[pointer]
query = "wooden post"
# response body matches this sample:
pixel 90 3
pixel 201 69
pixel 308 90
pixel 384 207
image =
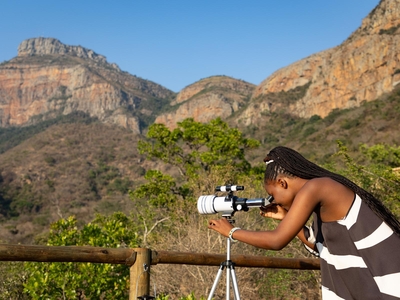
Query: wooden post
pixel 139 284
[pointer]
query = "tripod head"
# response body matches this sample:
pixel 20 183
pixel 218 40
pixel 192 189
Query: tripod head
pixel 229 218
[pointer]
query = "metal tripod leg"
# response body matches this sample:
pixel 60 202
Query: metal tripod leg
pixel 230 276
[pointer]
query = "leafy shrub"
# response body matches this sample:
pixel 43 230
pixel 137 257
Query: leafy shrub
pixel 89 280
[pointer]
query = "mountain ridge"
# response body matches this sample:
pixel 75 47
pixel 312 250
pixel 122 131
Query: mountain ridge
pixel 362 68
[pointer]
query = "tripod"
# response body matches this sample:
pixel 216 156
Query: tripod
pixel 230 272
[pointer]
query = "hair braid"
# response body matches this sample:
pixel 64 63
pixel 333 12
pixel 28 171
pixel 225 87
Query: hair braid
pixel 291 163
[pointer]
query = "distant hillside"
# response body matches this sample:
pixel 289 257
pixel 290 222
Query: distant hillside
pixel 73 167
pixel 370 123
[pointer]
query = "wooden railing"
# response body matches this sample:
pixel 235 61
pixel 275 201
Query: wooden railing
pixel 139 259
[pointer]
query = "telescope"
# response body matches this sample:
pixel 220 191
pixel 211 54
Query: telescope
pixel 228 204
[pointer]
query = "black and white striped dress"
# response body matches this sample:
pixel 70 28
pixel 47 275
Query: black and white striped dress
pixel 360 255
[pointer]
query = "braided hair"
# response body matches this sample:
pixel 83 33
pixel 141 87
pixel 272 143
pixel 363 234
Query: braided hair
pixel 286 161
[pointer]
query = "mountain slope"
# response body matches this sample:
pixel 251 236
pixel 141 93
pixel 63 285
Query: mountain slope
pixel 74 168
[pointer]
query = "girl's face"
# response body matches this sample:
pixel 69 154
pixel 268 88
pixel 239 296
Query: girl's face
pixel 280 190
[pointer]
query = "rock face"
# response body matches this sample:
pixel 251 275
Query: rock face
pixel 362 68
pixel 45 46
pixel 216 96
pixel 48 78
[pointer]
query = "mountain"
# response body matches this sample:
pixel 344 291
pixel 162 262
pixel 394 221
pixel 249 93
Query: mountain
pixel 204 100
pixel 362 68
pixel 48 78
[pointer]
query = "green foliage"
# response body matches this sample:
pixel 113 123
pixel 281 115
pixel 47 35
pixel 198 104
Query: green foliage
pixel 195 146
pixel 195 149
pixel 375 172
pixel 382 154
pixel 84 280
pixel 161 190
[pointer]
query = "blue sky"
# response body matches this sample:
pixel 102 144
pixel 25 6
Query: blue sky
pixel 176 43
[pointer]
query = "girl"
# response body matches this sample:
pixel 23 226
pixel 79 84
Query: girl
pixel 353 233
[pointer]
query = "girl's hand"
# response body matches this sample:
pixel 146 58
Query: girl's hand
pixel 222 226
pixel 273 211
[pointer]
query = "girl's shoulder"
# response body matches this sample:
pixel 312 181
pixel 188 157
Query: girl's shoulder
pixel 333 198
pixel 325 182
pixel 325 190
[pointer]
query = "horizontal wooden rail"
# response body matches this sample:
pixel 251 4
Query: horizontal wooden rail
pixel 139 258
pixel 188 258
pixel 36 253
pixel 127 256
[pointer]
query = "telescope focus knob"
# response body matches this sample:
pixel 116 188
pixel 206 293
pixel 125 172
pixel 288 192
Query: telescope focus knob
pixel 239 207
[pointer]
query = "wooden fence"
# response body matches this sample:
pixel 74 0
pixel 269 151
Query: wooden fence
pixel 140 259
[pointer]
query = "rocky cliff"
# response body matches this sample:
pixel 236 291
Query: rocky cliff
pixel 48 78
pixel 362 68
pixel 46 46
pixel 216 96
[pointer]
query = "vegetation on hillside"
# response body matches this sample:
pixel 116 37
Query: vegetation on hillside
pixel 371 123
pixel 75 165
pixel 10 137
pixel 68 169
pixel 200 157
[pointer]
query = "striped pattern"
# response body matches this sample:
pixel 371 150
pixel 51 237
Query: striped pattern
pixel 360 256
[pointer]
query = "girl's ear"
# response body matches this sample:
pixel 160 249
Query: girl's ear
pixel 282 183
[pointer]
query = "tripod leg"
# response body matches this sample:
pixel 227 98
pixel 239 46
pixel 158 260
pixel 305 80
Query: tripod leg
pixel 234 284
pixel 228 281
pixel 215 282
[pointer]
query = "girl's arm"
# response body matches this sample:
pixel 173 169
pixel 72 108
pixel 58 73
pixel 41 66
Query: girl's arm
pixel 290 226
pixel 277 212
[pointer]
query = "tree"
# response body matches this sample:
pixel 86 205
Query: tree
pixel 193 146
pixel 84 280
pixel 197 150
